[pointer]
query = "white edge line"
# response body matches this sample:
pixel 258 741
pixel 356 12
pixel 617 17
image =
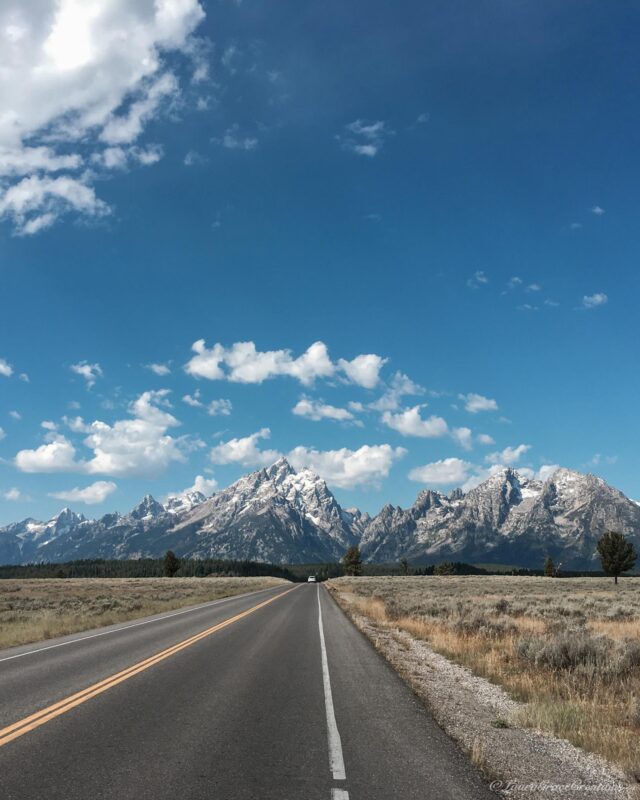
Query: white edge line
pixel 134 625
pixel 336 760
pixel 339 794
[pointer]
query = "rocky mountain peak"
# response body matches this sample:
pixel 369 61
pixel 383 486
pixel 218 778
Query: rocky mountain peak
pixel 148 508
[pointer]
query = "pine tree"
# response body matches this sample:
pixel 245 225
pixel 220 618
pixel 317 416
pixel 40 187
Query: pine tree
pixel 444 568
pixel 404 566
pixel 352 561
pixel 549 567
pixel 171 564
pixel 616 554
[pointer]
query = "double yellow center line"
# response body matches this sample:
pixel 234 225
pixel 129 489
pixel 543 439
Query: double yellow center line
pixel 45 715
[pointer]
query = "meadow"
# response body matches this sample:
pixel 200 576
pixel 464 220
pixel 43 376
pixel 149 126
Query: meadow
pixel 568 648
pixel 34 610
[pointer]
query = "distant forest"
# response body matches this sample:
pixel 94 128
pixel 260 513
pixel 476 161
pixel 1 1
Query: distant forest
pixel 201 568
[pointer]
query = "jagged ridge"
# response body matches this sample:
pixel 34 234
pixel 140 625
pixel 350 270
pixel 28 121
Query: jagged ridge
pixel 279 515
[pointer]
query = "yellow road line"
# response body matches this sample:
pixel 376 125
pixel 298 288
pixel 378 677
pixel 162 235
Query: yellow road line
pixel 43 716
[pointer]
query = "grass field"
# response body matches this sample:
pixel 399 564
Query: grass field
pixel 569 648
pixel 33 610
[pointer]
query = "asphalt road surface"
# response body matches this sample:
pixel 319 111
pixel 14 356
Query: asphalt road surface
pixel 272 695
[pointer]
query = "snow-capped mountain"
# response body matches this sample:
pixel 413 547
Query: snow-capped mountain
pixel 279 515
pixel 508 519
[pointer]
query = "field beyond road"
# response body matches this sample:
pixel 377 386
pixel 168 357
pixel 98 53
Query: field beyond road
pixel 34 610
pixel 568 648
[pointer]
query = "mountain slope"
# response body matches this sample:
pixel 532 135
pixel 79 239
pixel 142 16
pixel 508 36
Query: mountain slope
pixel 279 515
pixel 508 519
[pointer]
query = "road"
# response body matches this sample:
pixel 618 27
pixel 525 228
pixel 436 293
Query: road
pixel 272 695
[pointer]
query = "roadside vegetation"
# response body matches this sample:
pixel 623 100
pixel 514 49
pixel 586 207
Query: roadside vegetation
pixel 569 648
pixel 33 610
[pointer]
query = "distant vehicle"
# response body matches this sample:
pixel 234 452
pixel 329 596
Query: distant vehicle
pixel 311 579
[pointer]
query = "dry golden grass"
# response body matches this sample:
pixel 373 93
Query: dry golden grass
pixel 33 610
pixel 569 648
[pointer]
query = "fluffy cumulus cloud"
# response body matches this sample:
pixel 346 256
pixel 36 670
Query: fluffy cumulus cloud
pixel 90 372
pixel 58 455
pixel 464 437
pixel 363 370
pixel 446 472
pixel 80 80
pixel 159 369
pixel 411 423
pixel 242 362
pixel 139 446
pixel 6 370
pixel 590 301
pixel 509 456
pixel 317 410
pixel 245 451
pixel 398 387
pixel 345 468
pixel 473 403
pixel 90 495
pixel 201 484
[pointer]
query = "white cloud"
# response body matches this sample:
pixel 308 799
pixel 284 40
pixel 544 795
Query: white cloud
pixel 219 408
pixel 594 300
pixel 206 363
pixel 77 74
pixel 546 471
pixel 316 410
pixel 6 370
pixel 598 211
pixel 348 468
pixel 91 495
pixel 140 446
pixel 399 386
pixel 245 451
pixel 48 425
pixel 159 369
pixel 15 415
pixel 363 370
pixel 508 456
pixel 484 438
pixel 193 158
pixel 90 372
pixel 58 455
pixel 14 495
pixel 242 362
pixel 206 486
pixel 464 437
pixel 514 282
pixel 365 138
pixel 478 279
pixel 447 471
pixel 2 434
pixel 234 140
pixel 477 402
pixel 410 423
pixel 193 400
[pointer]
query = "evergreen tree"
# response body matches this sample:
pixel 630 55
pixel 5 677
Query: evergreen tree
pixel 616 554
pixel 171 564
pixel 404 566
pixel 444 568
pixel 549 567
pixel 352 561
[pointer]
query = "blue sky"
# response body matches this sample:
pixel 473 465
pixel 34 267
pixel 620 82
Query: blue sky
pixel 449 188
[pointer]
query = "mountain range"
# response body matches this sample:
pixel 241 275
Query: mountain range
pixel 279 515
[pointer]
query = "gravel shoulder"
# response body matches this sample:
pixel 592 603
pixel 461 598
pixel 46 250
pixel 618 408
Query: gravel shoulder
pixel 481 717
